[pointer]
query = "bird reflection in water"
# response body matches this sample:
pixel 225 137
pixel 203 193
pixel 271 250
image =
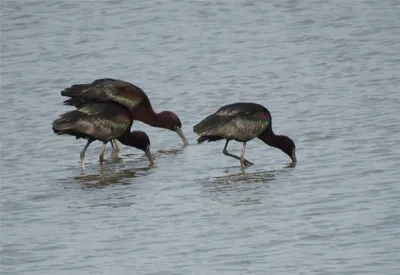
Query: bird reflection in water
pixel 243 188
pixel 170 151
pixel 108 177
pixel 113 171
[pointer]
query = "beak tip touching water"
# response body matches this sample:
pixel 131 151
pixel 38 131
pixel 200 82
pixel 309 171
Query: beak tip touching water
pixel 293 157
pixel 181 135
pixel 150 157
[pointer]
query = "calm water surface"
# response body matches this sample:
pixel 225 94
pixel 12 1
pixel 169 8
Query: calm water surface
pixel 328 71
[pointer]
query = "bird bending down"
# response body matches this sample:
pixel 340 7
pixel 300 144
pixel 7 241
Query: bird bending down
pixel 243 122
pixel 128 95
pixel 104 122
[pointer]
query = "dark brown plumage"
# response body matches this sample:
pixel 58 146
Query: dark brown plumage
pixel 126 94
pixel 243 122
pixel 104 122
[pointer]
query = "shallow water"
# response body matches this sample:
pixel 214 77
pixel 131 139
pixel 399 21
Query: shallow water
pixel 329 72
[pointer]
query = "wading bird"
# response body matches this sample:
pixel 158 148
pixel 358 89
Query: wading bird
pixel 243 122
pixel 103 122
pixel 128 95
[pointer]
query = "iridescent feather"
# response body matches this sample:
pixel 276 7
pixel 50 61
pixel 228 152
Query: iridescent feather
pixel 231 122
pixel 243 122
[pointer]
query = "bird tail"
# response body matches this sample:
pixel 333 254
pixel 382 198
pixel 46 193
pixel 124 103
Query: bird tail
pixel 75 89
pixel 84 93
pixel 206 124
pixel 209 128
pixel 66 121
pixel 201 139
pixel 77 102
pixel 208 138
pixel 211 125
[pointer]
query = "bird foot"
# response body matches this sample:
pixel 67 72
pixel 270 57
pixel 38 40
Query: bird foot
pixel 114 145
pixel 246 163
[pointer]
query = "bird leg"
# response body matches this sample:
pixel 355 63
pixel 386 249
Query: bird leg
pixel 102 151
pixel 114 145
pixel 244 162
pixel 83 154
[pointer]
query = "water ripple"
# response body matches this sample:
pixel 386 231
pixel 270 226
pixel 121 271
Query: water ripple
pixel 329 74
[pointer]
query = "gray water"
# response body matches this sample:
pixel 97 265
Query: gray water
pixel 328 71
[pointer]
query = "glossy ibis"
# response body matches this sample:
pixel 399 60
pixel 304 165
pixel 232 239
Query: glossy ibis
pixel 243 122
pixel 128 95
pixel 104 122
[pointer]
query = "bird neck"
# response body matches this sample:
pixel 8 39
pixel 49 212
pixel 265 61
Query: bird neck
pixel 129 139
pixel 156 119
pixel 126 138
pixel 273 140
pixel 150 117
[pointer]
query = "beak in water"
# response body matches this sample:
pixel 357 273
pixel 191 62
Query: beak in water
pixel 293 157
pixel 148 154
pixel 181 135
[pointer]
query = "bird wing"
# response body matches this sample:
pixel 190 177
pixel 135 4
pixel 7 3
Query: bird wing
pixel 234 123
pixel 241 107
pixel 250 125
pixel 109 110
pixel 102 121
pixel 104 90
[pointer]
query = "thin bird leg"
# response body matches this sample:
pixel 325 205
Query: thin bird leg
pixel 115 148
pixel 83 154
pixel 114 145
pixel 102 151
pixel 226 153
pixel 244 162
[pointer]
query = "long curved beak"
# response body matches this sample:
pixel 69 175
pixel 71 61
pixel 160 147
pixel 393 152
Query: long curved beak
pixel 293 157
pixel 181 135
pixel 149 156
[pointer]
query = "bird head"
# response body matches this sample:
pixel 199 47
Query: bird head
pixel 173 123
pixel 288 147
pixel 141 141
